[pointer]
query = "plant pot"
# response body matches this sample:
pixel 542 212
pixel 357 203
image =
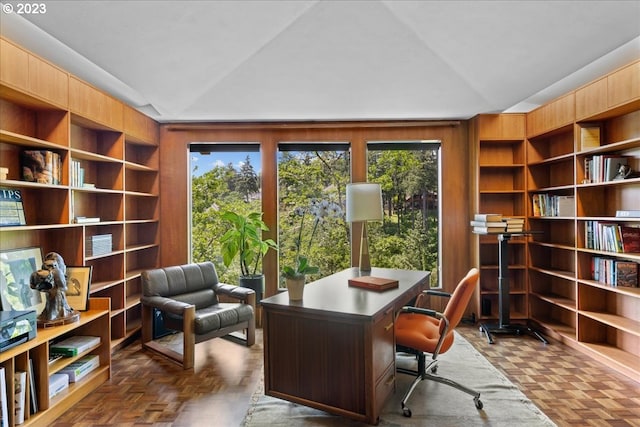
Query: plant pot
pixel 255 282
pixel 295 288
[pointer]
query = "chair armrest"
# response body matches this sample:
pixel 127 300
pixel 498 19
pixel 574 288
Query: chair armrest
pixel 166 304
pixel 438 293
pixel 425 311
pixel 237 292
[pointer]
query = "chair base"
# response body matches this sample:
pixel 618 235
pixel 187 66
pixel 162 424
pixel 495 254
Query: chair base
pixel 422 373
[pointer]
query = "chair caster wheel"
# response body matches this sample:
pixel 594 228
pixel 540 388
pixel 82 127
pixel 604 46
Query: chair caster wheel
pixel 478 403
pixel 406 412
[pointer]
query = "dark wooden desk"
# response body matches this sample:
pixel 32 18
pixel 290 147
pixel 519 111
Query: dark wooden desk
pixel 335 349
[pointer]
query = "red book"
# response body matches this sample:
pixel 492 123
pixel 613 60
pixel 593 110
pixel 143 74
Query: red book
pixel 630 239
pixel 373 283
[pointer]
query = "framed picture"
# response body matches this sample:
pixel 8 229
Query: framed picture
pixel 78 283
pixel 16 267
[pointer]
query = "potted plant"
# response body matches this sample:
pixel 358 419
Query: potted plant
pixel 295 275
pixel 244 240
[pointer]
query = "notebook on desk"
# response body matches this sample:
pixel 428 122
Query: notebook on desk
pixel 373 283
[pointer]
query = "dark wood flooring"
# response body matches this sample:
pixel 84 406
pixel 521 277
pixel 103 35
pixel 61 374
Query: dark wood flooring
pixel 146 389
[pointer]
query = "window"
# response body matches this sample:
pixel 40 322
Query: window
pixel 409 237
pixel 312 178
pixel 223 177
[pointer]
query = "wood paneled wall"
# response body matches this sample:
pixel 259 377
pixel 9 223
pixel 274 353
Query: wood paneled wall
pixel 175 138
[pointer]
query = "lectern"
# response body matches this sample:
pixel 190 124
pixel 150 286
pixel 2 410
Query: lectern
pixel 504 325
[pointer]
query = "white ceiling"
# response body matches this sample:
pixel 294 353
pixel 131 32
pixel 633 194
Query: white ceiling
pixel 331 60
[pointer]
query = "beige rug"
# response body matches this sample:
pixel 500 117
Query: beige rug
pixel 432 404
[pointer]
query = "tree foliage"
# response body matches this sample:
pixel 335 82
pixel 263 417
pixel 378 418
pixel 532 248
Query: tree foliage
pixel 407 238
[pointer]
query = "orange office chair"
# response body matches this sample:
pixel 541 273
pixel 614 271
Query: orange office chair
pixel 420 331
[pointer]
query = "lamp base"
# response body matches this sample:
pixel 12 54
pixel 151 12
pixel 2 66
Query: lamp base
pixel 365 261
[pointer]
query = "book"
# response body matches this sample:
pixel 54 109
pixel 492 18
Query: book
pixel 57 384
pixel 485 230
pixel 589 137
pixel 488 224
pixel 626 274
pixel 4 405
pixel 74 345
pixel 32 388
pixel 85 219
pixel 488 217
pixel 629 239
pixel 11 208
pixel 81 367
pixel 373 283
pixel 513 220
pixel 628 213
pixel 20 395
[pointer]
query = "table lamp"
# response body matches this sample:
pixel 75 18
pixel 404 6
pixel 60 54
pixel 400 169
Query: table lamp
pixel 364 203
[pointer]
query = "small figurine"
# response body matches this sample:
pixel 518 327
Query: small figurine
pixel 625 172
pixel 52 281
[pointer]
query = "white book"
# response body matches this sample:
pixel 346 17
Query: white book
pixel 75 345
pixel 4 410
pixel 20 396
pixel 81 367
pixel 57 383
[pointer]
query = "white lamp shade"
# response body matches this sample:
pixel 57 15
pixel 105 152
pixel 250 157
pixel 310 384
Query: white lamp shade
pixel 364 202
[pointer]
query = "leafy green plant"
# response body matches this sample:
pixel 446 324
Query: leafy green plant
pixel 244 240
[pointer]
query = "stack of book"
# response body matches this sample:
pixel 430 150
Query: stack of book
pixel 100 244
pixel 612 237
pixel 488 223
pixel 613 272
pixel 496 223
pixel 514 225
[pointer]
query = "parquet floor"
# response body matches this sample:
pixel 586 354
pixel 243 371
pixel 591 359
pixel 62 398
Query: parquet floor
pixel 146 389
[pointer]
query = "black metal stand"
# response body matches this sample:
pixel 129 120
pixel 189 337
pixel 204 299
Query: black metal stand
pixel 505 327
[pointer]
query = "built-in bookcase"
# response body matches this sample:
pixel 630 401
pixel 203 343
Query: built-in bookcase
pixel 117 148
pixel 499 144
pixel 565 299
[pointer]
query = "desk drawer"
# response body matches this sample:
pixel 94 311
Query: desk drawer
pixel 383 344
pixel 385 386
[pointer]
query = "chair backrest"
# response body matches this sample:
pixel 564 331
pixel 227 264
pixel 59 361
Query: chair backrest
pixel 192 283
pixel 460 298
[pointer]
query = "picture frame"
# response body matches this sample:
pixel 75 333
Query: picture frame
pixel 78 284
pixel 16 267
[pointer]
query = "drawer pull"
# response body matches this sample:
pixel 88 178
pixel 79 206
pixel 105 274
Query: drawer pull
pixel 390 380
pixel 389 326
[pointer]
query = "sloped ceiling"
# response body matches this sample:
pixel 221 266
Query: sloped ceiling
pixel 332 60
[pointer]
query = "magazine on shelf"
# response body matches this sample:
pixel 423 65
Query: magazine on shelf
pixel 74 345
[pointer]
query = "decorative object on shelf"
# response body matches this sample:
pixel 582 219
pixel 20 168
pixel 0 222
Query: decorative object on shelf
pixel 364 203
pixel 244 240
pixel 4 172
pixel 11 208
pixel 625 172
pixel 16 266
pixel 295 274
pixel 41 166
pixel 78 284
pixel 52 281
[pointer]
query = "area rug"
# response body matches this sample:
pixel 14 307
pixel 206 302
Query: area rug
pixel 432 404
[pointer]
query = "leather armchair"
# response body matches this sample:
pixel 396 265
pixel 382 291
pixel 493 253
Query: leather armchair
pixel 187 295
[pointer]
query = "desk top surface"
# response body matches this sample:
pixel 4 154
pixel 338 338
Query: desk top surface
pixel 333 293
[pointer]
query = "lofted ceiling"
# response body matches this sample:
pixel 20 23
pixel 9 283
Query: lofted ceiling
pixel 331 60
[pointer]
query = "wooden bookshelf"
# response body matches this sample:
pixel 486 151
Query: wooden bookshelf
pixel 93 322
pixel 46 108
pixel 565 300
